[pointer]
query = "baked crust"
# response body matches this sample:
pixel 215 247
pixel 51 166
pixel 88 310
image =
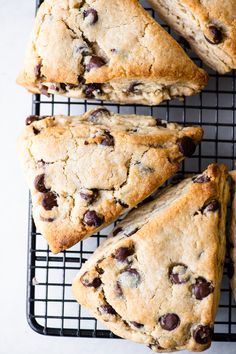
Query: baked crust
pixel 134 48
pixel 184 227
pixel 193 20
pixel 114 161
pixel 232 269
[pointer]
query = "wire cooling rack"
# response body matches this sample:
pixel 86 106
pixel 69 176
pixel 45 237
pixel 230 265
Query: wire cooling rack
pixel 51 309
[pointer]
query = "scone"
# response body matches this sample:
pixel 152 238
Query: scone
pixel 232 268
pixel 83 172
pixel 209 27
pixel 106 50
pixel 156 280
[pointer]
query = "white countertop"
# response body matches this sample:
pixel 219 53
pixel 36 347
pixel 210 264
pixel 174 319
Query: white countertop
pixel 16 19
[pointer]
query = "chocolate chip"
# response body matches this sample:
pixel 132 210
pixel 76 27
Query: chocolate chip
pixel 133 88
pixel 31 119
pixel 92 14
pixel 132 232
pixel 201 179
pixel 94 283
pixel 215 35
pixel 159 123
pixel 94 63
pixel 63 86
pixel 90 196
pixel 91 89
pixel 36 131
pixel 108 139
pixel 91 218
pixel 202 334
pixel 202 288
pixel 37 70
pixel 177 273
pixel 122 253
pixel 155 346
pixel 39 184
pixel 46 219
pixel 107 309
pixel 169 321
pixel 212 206
pixel 97 113
pixel 129 278
pixel 186 146
pixel 230 269
pixel 44 91
pixel 118 290
pixel 136 324
pixel 122 203
pixel 117 231
pixel 49 200
pixel 99 269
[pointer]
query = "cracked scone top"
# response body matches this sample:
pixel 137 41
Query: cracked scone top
pixel 107 51
pixel 85 171
pixel 156 280
pixel 208 25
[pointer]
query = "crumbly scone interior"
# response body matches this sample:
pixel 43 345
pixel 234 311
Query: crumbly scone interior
pixel 187 23
pixel 128 305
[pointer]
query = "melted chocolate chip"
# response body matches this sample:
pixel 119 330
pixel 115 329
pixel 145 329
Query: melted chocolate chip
pixel 31 119
pixel 122 253
pixel 169 321
pixel 49 200
pixel 186 146
pixel 214 205
pixel 202 334
pixel 177 274
pixel 97 113
pixel 36 131
pixel 89 196
pixel 91 89
pixel 107 309
pixel 92 14
pixel 136 324
pixel 155 346
pixel 132 232
pixel 117 231
pixel 63 86
pixel 135 88
pixel 215 35
pixel 46 219
pixel 202 288
pixel 37 70
pixel 39 184
pixel 94 283
pixel 44 91
pixel 118 290
pixel 122 203
pixel 91 218
pixel 129 278
pixel 95 62
pixel 159 123
pixel 108 139
pixel 201 179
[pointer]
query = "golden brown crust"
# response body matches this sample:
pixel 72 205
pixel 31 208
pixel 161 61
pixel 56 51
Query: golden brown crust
pixel 114 161
pixel 183 226
pixel 63 42
pixel 233 236
pixel 193 18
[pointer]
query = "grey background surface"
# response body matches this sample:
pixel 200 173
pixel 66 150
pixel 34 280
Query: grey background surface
pixel 16 19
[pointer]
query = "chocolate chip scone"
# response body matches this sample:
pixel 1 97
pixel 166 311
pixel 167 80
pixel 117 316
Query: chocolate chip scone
pixel 209 27
pixel 232 265
pixel 156 280
pixel 107 51
pixel 83 172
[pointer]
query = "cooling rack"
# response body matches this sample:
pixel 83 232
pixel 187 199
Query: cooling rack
pixel 51 308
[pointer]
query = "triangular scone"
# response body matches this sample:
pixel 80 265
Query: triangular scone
pixel 85 171
pixel 157 280
pixel 106 50
pixel 232 265
pixel 209 27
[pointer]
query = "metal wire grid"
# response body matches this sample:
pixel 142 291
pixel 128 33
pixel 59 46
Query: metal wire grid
pixel 51 309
